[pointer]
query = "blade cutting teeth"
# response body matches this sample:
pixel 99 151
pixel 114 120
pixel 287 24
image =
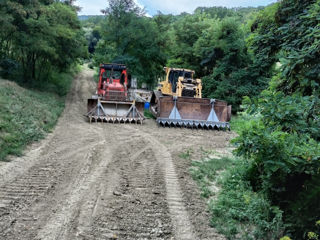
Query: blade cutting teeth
pixel 114 112
pixel 193 124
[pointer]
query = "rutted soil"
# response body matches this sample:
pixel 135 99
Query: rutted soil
pixel 105 181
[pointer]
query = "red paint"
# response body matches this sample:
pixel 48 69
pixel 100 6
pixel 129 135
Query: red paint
pixel 112 89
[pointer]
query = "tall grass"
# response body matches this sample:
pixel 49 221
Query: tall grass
pixel 27 114
pixel 237 211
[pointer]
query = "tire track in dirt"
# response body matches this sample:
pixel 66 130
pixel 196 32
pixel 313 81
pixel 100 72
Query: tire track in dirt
pixel 101 181
pixel 182 226
pixel 23 192
pixel 58 225
pixel 86 191
pixel 136 208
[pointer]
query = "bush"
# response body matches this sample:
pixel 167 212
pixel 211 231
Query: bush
pixel 284 156
pixel 241 213
pixel 9 68
pixel 237 211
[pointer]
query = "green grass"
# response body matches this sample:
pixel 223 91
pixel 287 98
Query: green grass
pixel 25 116
pixel 237 211
pixel 186 155
pixel 148 114
pixel 239 122
pixel 205 173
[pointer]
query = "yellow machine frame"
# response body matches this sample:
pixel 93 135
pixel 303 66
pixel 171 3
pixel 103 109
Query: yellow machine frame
pixel 166 87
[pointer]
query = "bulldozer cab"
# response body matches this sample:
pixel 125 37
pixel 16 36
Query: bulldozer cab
pixel 112 78
pixel 179 82
pixel 174 75
pixel 110 74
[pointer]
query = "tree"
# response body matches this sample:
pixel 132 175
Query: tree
pixel 230 72
pixel 282 144
pixel 41 36
pixel 187 30
pixel 130 38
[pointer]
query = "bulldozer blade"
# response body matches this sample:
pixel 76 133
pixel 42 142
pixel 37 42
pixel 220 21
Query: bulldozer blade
pixel 114 112
pixel 193 113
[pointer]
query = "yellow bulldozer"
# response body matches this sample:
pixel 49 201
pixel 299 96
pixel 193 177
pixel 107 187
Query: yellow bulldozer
pixel 178 102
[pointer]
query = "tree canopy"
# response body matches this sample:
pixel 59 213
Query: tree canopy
pixel 128 37
pixel 211 41
pixel 39 37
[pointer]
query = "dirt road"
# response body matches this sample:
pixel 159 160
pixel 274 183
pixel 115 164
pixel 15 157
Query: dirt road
pixel 105 181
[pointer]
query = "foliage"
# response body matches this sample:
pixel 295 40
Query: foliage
pixel 186 31
pixel 282 144
pixel 288 32
pixel 237 211
pixel 130 38
pixel 39 38
pixel 241 121
pixel 314 235
pixel 240 211
pixel 280 159
pixel 91 26
pixel 233 73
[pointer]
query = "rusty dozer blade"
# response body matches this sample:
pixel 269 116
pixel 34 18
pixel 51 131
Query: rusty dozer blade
pixel 193 113
pixel 114 112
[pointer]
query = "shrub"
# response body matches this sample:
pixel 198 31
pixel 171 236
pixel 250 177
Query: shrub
pixel 237 211
pixel 241 213
pixel 284 155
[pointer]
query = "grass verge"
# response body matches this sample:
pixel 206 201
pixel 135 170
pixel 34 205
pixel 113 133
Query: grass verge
pixel 26 115
pixel 237 211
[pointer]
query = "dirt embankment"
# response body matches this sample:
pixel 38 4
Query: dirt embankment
pixel 105 181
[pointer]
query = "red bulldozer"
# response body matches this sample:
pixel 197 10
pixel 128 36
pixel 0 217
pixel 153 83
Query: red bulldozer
pixel 113 101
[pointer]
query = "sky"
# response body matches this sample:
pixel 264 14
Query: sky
pixel 93 7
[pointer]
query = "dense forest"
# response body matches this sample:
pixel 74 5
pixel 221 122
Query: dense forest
pixel 265 62
pixel 39 41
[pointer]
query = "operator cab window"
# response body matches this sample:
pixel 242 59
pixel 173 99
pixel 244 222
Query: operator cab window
pixel 188 75
pixel 116 75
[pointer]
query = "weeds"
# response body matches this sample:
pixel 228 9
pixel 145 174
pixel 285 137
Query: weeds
pixel 25 116
pixel 237 211
pixel 208 169
pixel 186 155
pixel 239 122
pixel 148 114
